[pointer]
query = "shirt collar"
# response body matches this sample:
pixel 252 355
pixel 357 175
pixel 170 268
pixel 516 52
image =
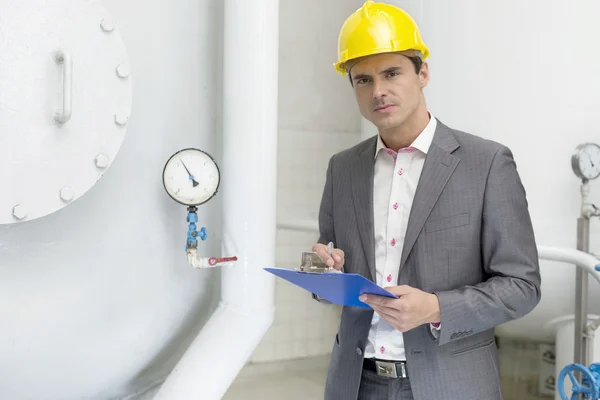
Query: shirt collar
pixel 421 143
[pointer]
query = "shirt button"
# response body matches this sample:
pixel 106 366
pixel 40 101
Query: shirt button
pixel 400 171
pixel 389 278
pixel 359 351
pixel 395 206
pixel 393 242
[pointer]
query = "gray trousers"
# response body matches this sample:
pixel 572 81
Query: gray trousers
pixel 375 387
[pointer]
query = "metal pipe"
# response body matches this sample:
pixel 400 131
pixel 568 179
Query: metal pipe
pixel 249 172
pixel 583 260
pixel 582 344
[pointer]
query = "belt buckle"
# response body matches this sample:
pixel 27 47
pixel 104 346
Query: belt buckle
pixel 386 369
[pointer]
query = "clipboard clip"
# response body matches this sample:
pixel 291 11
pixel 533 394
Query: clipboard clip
pixel 313 264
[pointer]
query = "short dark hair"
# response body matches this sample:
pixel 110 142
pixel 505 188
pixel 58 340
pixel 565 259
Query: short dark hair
pixel 416 61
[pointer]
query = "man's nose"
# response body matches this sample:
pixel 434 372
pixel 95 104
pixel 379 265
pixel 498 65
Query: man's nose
pixel 378 90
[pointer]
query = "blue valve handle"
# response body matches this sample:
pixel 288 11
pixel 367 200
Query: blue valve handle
pixel 588 388
pixel 192 234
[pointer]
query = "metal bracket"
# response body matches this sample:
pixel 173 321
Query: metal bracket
pixel 312 263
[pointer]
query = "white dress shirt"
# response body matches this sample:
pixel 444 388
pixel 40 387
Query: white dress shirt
pixel 395 181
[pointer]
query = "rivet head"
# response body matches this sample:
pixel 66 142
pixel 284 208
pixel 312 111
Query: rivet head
pixel 121 118
pixel 101 160
pixel 107 25
pixel 67 193
pixel 19 211
pixel 123 70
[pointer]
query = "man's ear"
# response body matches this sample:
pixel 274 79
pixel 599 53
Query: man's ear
pixel 424 74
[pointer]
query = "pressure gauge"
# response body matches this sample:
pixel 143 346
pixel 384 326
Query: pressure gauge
pixel 586 161
pixel 191 177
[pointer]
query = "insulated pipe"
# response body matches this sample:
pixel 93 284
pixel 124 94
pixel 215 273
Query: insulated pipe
pixel 248 171
pixel 571 256
pixel 586 261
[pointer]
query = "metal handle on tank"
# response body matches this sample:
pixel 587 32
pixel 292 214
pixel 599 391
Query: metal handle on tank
pixel 64 57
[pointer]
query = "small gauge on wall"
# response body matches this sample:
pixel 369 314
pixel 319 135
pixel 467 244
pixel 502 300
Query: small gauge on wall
pixel 191 177
pixel 586 161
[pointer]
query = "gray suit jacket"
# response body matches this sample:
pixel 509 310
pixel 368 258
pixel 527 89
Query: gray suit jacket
pixel 469 240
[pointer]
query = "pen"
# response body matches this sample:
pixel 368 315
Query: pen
pixel 330 250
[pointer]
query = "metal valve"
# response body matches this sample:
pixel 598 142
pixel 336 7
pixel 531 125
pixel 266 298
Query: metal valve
pixel 192 218
pixel 588 388
pixel 191 246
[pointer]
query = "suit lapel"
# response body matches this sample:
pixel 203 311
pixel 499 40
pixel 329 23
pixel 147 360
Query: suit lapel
pixel 362 195
pixel 439 166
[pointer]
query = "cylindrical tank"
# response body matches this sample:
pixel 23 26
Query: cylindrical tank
pixel 97 299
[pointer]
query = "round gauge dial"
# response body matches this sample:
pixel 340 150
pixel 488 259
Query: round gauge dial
pixel 191 177
pixel 586 161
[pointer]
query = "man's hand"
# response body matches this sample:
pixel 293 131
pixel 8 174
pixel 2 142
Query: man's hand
pixel 337 262
pixel 413 307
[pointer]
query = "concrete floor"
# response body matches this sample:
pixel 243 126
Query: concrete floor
pixel 305 380
pixel 293 380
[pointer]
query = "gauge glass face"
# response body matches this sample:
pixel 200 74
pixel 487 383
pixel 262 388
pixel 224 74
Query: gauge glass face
pixel 191 177
pixel 589 161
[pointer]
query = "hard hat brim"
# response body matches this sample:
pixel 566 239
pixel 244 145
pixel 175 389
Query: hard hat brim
pixel 341 67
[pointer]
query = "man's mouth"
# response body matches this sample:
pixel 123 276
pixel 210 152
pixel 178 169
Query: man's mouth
pixel 384 107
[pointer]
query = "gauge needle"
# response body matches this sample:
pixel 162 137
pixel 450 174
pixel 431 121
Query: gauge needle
pixel 194 183
pixel 590 158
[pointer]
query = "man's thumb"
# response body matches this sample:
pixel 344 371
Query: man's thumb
pixel 400 290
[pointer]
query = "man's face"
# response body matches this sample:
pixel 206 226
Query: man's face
pixel 388 89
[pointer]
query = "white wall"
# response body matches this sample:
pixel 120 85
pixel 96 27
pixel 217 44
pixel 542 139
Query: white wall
pixel 524 74
pixel 98 299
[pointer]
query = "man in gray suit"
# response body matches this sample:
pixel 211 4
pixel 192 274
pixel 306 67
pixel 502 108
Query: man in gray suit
pixel 437 216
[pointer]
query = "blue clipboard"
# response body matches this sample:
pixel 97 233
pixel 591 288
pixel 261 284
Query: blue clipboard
pixel 339 288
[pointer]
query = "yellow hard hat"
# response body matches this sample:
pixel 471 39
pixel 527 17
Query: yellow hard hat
pixel 377 28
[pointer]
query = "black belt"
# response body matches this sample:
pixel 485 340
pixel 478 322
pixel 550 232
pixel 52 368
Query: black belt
pixel 385 368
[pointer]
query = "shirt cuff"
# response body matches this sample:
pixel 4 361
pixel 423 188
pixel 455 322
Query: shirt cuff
pixel 435 327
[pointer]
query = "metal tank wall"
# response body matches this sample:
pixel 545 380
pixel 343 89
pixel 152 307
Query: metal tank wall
pixel 97 299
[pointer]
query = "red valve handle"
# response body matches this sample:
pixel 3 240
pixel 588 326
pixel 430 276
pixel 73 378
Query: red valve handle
pixel 214 260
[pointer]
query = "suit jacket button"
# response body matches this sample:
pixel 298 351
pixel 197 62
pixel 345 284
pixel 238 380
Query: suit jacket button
pixel 359 351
